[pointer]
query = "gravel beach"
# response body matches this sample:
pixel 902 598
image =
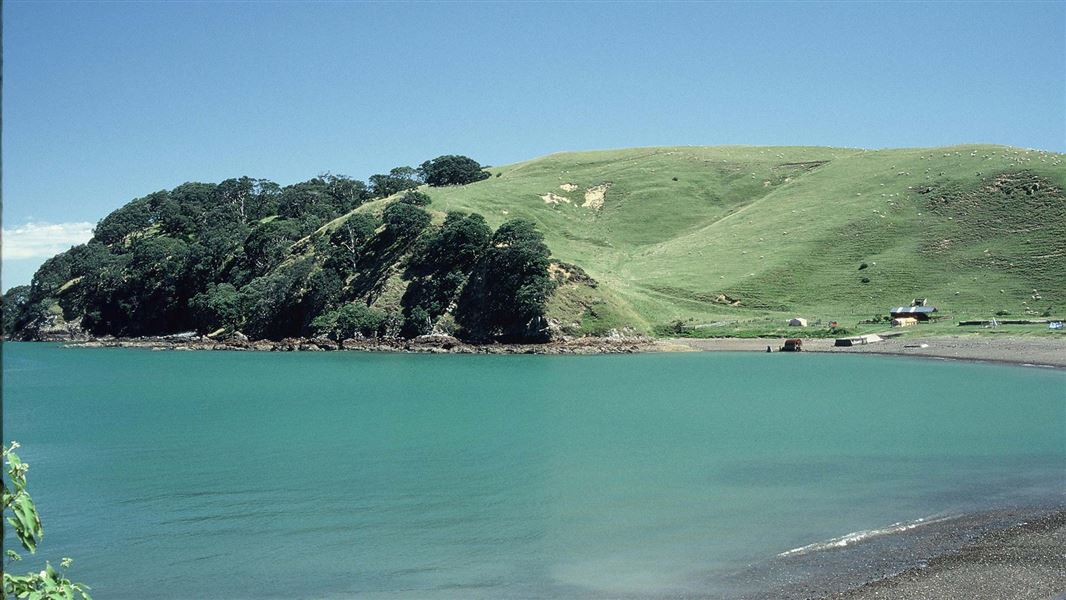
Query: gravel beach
pixel 1027 561
pixel 1001 554
pixel 1039 351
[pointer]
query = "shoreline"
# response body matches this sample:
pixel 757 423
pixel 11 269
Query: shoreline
pixel 427 344
pixel 999 554
pixel 1021 561
pixel 1042 352
pixel 1019 351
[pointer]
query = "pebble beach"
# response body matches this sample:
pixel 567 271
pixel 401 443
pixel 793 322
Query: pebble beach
pixel 1034 351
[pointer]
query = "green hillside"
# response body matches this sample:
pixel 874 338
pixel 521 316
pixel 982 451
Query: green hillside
pixel 735 233
pixel 702 240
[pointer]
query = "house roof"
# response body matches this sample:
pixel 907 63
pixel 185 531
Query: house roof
pixel 921 310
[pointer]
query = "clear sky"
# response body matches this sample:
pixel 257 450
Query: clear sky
pixel 104 102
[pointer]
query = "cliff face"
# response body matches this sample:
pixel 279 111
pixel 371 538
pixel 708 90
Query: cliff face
pixel 52 327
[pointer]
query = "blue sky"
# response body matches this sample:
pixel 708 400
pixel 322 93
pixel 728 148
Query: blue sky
pixel 104 102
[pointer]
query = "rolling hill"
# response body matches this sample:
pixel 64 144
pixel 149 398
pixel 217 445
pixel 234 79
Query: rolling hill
pixel 723 240
pixel 711 234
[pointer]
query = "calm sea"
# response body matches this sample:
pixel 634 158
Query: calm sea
pixel 342 475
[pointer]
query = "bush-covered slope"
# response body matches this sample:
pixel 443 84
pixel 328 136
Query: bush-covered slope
pixel 330 256
pixel 641 238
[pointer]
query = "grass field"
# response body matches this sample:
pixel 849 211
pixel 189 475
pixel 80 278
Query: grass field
pixel 737 239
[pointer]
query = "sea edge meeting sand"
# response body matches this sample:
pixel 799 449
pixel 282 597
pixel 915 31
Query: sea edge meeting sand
pixel 1024 560
pixel 1027 351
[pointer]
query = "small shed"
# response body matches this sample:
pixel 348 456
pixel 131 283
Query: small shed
pixel 904 321
pixel 921 313
pixel 792 345
pixel 797 322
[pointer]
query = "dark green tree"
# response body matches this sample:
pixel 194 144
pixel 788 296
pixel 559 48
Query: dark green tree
pixel 417 322
pixel 508 289
pixel 154 290
pixel 415 198
pixel 134 216
pixel 245 200
pixel 271 304
pixel 14 303
pixel 395 181
pixel 218 306
pixel 183 211
pixel 347 242
pixel 404 221
pixel 345 192
pixel 306 203
pixel 439 267
pixel 267 245
pixel 351 320
pixel 451 169
pixel 107 307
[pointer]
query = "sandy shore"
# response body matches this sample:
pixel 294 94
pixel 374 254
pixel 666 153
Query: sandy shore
pixel 1040 351
pixel 1022 562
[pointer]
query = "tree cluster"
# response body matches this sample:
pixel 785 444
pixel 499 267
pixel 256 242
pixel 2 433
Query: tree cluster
pixel 272 262
pixel 451 170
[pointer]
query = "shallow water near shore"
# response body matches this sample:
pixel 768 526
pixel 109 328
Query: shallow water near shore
pixel 291 475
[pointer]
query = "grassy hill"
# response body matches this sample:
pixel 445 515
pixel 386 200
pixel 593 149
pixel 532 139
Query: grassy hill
pixel 706 240
pixel 714 235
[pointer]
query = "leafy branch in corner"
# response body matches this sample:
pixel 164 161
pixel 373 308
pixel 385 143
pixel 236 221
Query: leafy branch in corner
pixel 21 514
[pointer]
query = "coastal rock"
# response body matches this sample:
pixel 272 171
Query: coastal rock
pixel 433 343
pixel 52 327
pixel 437 341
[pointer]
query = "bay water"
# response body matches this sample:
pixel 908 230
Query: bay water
pixel 349 475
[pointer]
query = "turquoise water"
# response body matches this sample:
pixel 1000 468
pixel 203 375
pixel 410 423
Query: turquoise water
pixel 338 475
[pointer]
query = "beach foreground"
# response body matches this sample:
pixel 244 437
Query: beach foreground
pixel 1000 554
pixel 1025 561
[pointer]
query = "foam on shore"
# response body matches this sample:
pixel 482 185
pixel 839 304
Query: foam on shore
pixel 859 536
pixel 841 566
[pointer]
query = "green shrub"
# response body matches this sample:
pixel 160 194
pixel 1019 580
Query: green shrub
pixel 416 198
pixel 351 320
pixel 451 169
pixel 21 514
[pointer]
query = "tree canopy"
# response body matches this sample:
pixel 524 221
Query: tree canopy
pixel 451 169
pixel 509 286
pixel 279 261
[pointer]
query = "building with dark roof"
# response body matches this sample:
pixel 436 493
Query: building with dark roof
pixel 922 313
